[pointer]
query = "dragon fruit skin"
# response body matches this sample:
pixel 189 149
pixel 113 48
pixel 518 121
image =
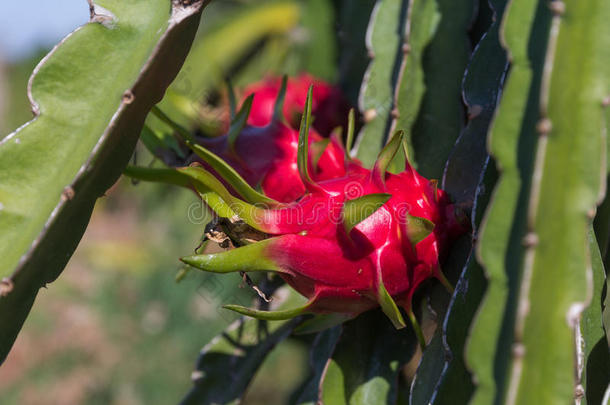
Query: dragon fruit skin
pixel 341 272
pixel 329 106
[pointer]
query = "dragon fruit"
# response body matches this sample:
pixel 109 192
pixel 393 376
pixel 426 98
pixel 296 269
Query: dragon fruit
pixel 357 239
pixel 329 106
pixel 265 156
pixel 351 243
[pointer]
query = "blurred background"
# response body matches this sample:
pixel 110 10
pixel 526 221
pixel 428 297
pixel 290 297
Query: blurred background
pixel 116 328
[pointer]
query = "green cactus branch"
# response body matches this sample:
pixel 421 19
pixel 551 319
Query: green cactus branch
pixel 594 371
pixel 553 212
pixel 562 203
pixel 386 37
pixel 423 19
pixel 449 380
pixel 506 101
pixel 228 363
pixel 90 96
pixel 439 123
pixel 366 362
pixel 503 226
pixel 321 351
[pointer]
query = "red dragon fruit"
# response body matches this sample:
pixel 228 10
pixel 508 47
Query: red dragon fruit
pixel 266 156
pixel 329 106
pixel 351 243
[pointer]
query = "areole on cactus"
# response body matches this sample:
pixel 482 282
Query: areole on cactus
pixel 362 239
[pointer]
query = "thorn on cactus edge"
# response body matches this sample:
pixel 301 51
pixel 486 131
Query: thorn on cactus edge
pixel 557 7
pixel 6 286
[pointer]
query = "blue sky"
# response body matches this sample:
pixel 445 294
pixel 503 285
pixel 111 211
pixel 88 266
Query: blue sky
pixel 27 25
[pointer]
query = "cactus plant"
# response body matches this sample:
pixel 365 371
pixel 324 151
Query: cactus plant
pixel 521 158
pixel 57 165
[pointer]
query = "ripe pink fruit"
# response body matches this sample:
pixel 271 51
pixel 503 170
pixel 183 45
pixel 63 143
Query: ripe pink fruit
pixel 350 243
pixel 357 238
pixel 341 269
pixel 329 106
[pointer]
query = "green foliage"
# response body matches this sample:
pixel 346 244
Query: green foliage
pixel 222 46
pixel 385 37
pixel 228 363
pixel 352 19
pixel 506 100
pixel 445 58
pixel 365 364
pixel 54 168
pixel 322 348
pixel 421 65
pixel 534 241
pixel 443 375
pixel 563 197
pixel 498 241
pixel 423 20
pixel 595 376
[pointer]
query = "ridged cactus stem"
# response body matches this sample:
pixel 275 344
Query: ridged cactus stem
pixel 561 206
pixel 385 41
pixel 543 128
